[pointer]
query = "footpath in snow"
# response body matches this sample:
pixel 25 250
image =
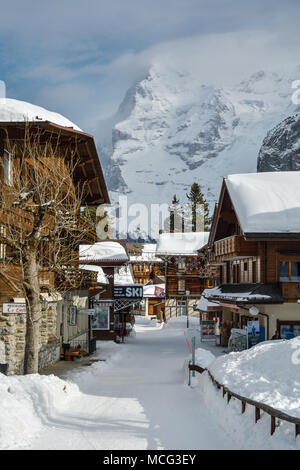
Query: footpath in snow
pixel 137 399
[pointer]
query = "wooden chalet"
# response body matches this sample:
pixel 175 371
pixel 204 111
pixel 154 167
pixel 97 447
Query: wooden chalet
pixel 56 328
pixel 111 313
pixel 185 271
pixel 255 243
pixel 146 266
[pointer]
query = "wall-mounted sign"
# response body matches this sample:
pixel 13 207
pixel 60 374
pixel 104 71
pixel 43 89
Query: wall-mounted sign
pixel 14 308
pixel 87 311
pixel 72 315
pixel 159 292
pixel 100 320
pixel 128 292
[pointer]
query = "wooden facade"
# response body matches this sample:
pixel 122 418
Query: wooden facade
pixel 268 262
pixel 67 144
pixel 145 265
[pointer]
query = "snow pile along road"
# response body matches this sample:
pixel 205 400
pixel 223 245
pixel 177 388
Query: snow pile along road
pixel 268 373
pixel 25 401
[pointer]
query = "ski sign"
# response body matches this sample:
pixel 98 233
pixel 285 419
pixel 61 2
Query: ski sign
pixel 128 292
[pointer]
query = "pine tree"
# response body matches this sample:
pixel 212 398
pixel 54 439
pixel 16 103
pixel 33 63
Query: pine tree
pixel 200 219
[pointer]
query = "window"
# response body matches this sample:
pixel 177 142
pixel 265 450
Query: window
pixel 181 308
pixel 181 266
pixel 8 168
pixel 289 330
pixel 295 271
pixel 289 271
pixel 181 284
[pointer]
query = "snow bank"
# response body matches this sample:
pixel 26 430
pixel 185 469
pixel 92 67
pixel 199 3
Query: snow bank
pixel 25 402
pixel 181 322
pixel 204 358
pixel 268 373
pixel 241 428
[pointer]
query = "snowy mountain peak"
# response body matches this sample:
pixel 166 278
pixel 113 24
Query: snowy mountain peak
pixel 172 130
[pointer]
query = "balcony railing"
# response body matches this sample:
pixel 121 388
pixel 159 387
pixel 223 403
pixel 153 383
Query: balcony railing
pixel 73 278
pixel 235 246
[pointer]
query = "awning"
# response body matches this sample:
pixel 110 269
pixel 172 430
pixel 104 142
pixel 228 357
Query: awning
pixel 245 293
pixel 206 306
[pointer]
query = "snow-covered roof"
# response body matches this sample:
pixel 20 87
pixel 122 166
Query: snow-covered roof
pixel 245 293
pixel 181 243
pixel 19 111
pixel 266 202
pixel 123 276
pixel 206 306
pixel 103 251
pixel 101 278
pixel 148 254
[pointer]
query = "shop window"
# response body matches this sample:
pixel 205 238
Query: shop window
pixel 289 331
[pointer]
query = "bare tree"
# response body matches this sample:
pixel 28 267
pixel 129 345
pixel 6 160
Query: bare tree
pixel 40 206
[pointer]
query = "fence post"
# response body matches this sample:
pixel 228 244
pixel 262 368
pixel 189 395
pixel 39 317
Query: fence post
pixel 257 414
pixel 193 353
pixel 297 430
pixel 243 407
pixel 273 424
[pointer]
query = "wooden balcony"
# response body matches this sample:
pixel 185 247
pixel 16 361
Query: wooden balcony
pixel 233 247
pixel 76 279
pixel 85 227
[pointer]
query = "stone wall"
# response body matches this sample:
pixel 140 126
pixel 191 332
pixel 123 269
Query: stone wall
pixel 54 312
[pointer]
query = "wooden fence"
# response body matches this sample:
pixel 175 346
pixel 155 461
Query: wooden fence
pixel 258 407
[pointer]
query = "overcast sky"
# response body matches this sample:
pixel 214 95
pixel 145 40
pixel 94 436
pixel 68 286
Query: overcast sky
pixel 79 57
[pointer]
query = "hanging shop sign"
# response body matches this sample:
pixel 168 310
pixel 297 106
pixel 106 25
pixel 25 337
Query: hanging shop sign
pixel 14 308
pixel 128 292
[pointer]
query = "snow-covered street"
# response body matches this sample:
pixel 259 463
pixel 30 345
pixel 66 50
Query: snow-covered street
pixel 137 400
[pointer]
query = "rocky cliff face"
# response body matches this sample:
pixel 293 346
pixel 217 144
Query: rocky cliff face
pixel 280 150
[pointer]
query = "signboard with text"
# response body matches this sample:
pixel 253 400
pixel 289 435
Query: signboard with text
pixel 128 292
pixel 14 309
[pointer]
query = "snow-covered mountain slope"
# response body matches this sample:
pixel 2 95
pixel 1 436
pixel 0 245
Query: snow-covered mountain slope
pixel 280 150
pixel 172 130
